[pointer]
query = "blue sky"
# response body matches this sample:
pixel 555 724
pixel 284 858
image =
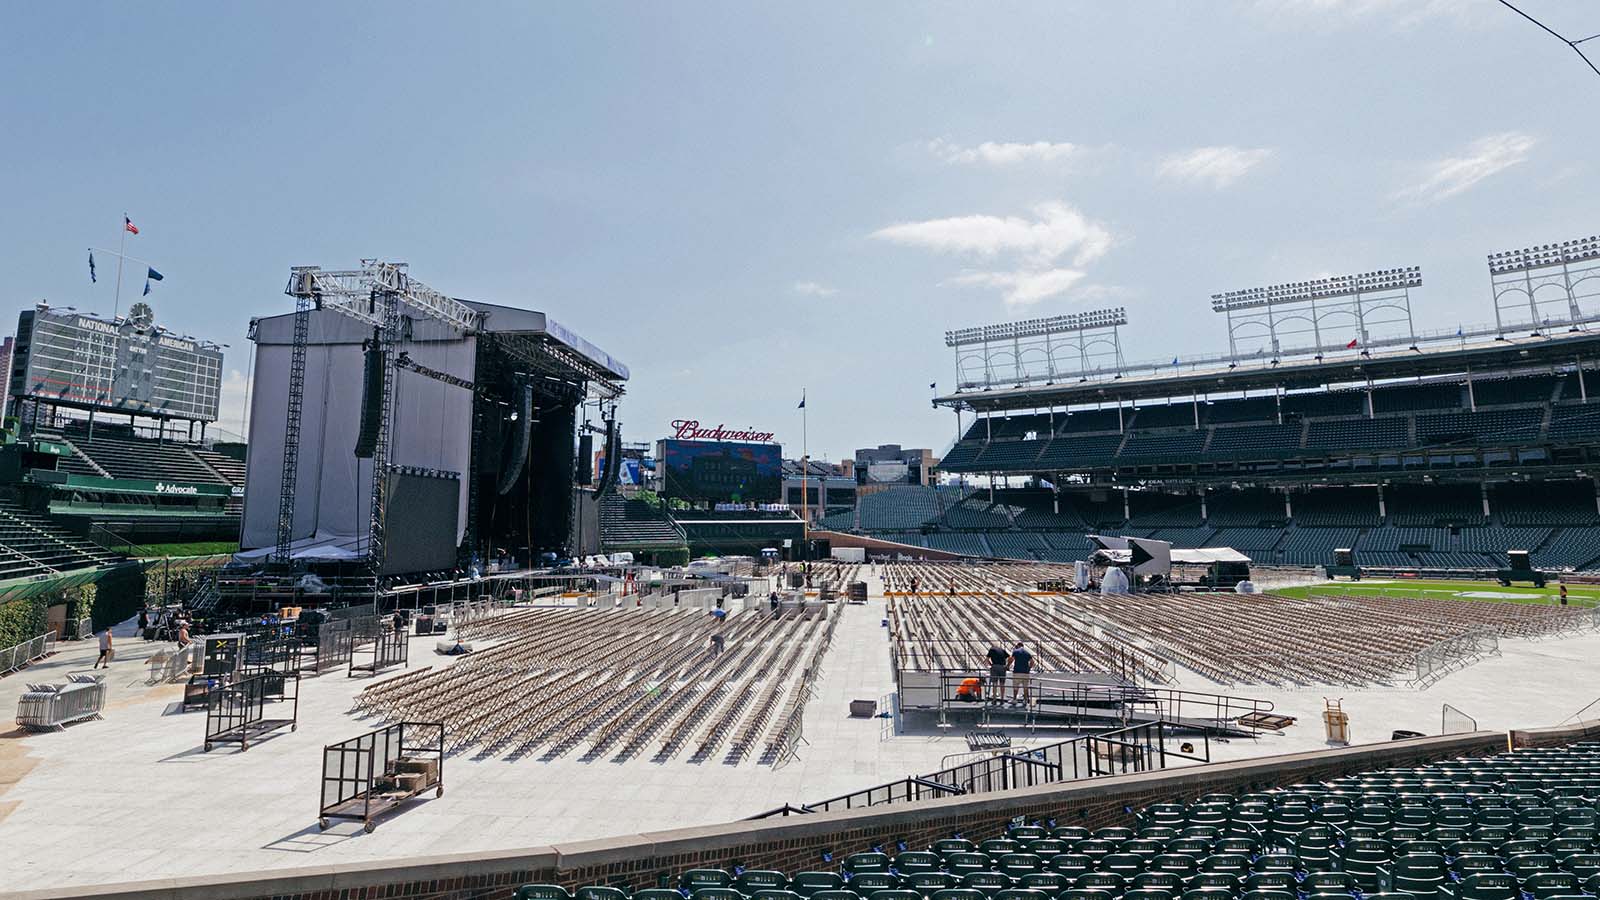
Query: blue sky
pixel 744 200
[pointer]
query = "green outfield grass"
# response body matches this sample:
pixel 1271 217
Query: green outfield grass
pixel 1578 594
pixel 197 548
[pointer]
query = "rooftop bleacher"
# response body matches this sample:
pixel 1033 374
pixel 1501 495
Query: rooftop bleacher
pixel 125 456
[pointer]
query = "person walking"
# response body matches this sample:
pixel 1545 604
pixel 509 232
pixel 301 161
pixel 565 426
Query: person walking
pixel 106 653
pixel 183 634
pixel 1021 674
pixel 1563 593
pixel 777 605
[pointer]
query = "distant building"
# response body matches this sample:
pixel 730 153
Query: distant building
pixel 893 464
pixel 828 487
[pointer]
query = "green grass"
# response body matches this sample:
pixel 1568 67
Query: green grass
pixel 1578 594
pixel 196 548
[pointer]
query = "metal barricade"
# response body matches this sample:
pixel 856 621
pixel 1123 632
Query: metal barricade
pixel 13 658
pixel 46 707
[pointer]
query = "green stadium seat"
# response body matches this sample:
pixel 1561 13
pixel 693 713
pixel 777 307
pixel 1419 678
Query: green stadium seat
pixel 988 882
pixel 1484 886
pixel 927 882
pixel 1019 864
pixel 695 879
pixel 1161 881
pixel 1047 847
pixel 962 863
pixel 774 894
pixel 715 893
pixel 656 894
pixel 807 884
pixel 1107 882
pixel 600 892
pixel 868 883
pixel 997 846
pixel 958 894
pixel 1268 894
pixel 1147 893
pixel 866 862
pixel 835 894
pixel 751 880
pixel 1051 883
pixel 947 846
pixel 544 892
pixel 1545 885
pixel 1071 864
pixel 895 894
pixel 1018 893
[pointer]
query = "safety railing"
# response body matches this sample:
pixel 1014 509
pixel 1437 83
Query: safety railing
pixel 53 706
pixel 1139 748
pixel 15 657
pixel 1454 721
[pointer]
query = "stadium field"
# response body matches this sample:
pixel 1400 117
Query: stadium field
pixel 1578 594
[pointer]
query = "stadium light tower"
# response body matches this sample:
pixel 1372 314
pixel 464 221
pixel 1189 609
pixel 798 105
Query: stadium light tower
pixel 1548 282
pixel 1031 350
pixel 1318 309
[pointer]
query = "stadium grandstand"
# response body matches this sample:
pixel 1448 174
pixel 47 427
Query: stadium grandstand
pixel 1418 451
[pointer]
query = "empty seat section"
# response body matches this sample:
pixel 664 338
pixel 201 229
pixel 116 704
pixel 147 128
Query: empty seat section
pixel 1250 409
pixel 1242 440
pixel 1182 446
pixel 1412 397
pixel 1468 428
pixel 1359 434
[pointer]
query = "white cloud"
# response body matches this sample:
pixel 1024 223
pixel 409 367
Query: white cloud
pixel 1039 257
pixel 1485 157
pixel 1024 288
pixel 1002 153
pixel 1214 166
pixel 813 289
pixel 1056 230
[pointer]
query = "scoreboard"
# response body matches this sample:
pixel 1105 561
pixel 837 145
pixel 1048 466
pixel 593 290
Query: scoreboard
pixel 128 365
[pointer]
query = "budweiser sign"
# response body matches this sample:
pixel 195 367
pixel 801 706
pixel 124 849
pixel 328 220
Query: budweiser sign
pixel 690 430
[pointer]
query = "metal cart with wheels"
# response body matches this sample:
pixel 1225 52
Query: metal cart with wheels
pixel 372 775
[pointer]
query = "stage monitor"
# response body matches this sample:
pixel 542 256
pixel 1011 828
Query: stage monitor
pixel 721 471
pixel 128 364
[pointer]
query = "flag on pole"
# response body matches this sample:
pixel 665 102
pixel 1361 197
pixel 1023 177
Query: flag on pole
pixel 150 275
pixel 933 385
pixel 1458 331
pixel 91 267
pixel 802 402
pixel 1174 360
pixel 1351 345
pixel 128 226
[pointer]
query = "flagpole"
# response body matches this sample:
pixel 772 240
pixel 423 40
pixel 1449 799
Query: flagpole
pixel 805 480
pixel 116 302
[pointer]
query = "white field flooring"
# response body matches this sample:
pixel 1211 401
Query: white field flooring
pixel 132 797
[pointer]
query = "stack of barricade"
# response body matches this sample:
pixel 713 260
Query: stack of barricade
pixel 51 706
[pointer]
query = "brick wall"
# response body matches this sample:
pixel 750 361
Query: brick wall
pixel 789 844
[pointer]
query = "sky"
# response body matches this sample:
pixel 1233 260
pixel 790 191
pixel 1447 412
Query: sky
pixel 744 202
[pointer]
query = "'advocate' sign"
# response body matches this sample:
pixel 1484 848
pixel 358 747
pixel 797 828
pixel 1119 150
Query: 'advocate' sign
pixel 690 430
